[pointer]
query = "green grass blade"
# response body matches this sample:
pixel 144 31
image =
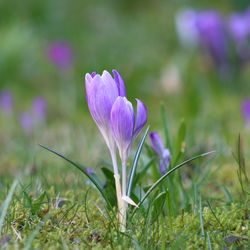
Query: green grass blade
pixel 144 170
pixel 6 203
pixel 83 170
pixel 135 163
pixel 209 241
pixel 169 172
pixel 180 143
pixel 201 219
pixel 165 126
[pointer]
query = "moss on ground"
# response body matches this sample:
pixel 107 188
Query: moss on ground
pixel 73 222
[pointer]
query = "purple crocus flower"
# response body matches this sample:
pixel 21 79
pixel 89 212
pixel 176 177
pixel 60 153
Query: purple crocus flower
pixel 27 122
pixel 125 125
pixel 6 102
pixel 60 53
pixel 161 151
pixel 245 108
pixel 101 93
pixel 39 108
pixel 212 35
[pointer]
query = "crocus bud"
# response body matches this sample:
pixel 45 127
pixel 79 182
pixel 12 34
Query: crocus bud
pixel 161 151
pixel 125 126
pixel 101 93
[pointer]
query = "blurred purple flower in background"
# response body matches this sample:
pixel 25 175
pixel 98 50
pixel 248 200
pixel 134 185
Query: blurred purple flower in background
pixel 217 35
pixel 213 37
pixel 162 152
pixel 39 108
pixel 90 171
pixel 186 27
pixel 245 109
pixel 239 29
pixel 6 102
pixel 27 122
pixel 60 53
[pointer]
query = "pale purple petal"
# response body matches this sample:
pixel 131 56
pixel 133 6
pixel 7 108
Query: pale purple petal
pixel 163 153
pixel 120 83
pixel 141 117
pixel 100 96
pixel 109 80
pixel 156 143
pixel 122 123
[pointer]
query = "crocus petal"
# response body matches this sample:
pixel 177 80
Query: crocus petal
pixel 101 95
pixel 120 83
pixel 122 123
pixel 165 161
pixel 156 143
pixel 141 117
pixel 109 80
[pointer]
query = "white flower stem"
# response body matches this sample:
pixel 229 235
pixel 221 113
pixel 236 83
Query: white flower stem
pixel 124 203
pixel 117 187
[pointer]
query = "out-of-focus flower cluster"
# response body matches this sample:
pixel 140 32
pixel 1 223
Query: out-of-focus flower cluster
pixel 29 119
pixel 225 39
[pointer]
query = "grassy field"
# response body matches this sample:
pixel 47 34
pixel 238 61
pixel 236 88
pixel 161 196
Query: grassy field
pixel 46 202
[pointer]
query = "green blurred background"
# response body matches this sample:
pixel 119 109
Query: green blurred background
pixel 139 39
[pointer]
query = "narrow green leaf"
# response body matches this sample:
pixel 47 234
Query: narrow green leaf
pixel 135 163
pixel 6 203
pixel 209 241
pixel 201 219
pixel 144 170
pixel 168 173
pixel 108 174
pixel 180 142
pixel 83 170
pixel 165 126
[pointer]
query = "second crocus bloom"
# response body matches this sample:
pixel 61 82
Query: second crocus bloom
pixel 125 125
pixel 162 152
